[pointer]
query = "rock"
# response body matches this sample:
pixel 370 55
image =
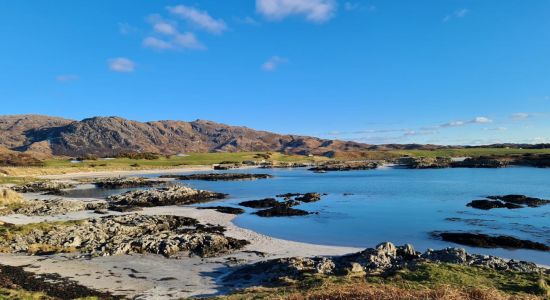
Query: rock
pixel 263 203
pixel 115 235
pixel 521 200
pixel 125 182
pixel 281 211
pixel 224 209
pixel 490 204
pixel 345 166
pixel 385 258
pixel 54 207
pixel 174 195
pixel 309 197
pixel 447 255
pixel 219 176
pixel 486 241
pixel 480 162
pixel 51 187
pixel 407 252
pixel 425 162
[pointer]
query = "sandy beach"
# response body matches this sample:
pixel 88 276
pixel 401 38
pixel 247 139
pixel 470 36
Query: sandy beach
pixel 154 276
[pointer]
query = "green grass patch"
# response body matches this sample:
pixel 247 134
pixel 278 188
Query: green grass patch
pixel 443 278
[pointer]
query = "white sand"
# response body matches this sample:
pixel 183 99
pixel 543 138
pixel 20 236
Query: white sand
pixel 157 277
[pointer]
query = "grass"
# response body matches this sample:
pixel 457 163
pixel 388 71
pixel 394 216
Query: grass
pixel 61 166
pixel 22 295
pixel 427 281
pixel 462 152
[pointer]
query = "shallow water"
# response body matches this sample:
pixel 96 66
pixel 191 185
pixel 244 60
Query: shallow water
pixel 398 205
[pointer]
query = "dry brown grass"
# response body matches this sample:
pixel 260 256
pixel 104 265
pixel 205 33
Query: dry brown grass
pixel 388 292
pixel 9 197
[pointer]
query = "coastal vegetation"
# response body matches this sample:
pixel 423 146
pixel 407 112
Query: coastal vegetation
pixel 424 281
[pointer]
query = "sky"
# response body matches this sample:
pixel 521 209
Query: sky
pixel 382 71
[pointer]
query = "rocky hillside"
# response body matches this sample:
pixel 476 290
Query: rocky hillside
pixel 106 136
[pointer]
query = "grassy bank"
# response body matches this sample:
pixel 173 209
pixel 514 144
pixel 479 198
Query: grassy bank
pixel 427 281
pixel 63 165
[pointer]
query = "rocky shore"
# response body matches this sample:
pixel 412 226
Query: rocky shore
pixel 383 259
pixel 125 182
pixel 50 207
pixel 219 176
pixel 508 201
pixel 488 241
pixel 50 187
pixel 173 195
pixel 345 166
pixel 115 235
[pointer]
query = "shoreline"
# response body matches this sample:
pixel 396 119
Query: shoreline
pixel 146 275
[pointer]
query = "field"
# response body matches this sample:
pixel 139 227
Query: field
pixel 64 165
pixel 459 152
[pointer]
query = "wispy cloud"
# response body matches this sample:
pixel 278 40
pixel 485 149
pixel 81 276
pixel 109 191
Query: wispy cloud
pixel 67 77
pixel 520 116
pixel 155 43
pixel 476 120
pixel 121 64
pixel 247 21
pixel 351 6
pixel 496 129
pixel 458 14
pixel 166 36
pixel 313 10
pixel 198 18
pixel 273 63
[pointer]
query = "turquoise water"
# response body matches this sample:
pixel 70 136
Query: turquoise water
pixel 398 205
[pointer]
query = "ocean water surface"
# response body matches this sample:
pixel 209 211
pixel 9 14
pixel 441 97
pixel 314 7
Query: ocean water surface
pixel 364 208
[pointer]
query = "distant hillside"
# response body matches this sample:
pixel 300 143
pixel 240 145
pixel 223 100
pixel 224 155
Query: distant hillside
pixel 106 136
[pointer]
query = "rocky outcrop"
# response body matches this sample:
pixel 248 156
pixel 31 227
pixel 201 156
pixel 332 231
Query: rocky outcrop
pixel 490 204
pixel 173 195
pixel 219 176
pixel 281 211
pixel 480 162
pixel 125 182
pixel 127 234
pixel 224 209
pixel 263 203
pixel 521 200
pixel 345 166
pixel 383 259
pixel 50 187
pixel 308 197
pixel 53 207
pixel 487 241
pixel 425 162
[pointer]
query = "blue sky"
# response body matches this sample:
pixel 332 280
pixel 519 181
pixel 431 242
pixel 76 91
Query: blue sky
pixel 381 71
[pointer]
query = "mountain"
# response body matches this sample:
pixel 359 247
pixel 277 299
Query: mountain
pixel 106 136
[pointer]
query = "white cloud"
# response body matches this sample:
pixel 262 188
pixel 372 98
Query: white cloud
pixel 273 63
pixel 199 18
pixel 459 123
pixel 496 129
pixel 164 28
pixel 247 21
pixel 121 64
pixel 458 14
pixel 188 40
pixel 67 77
pixel 313 10
pixel 481 120
pixel 155 43
pixel 520 116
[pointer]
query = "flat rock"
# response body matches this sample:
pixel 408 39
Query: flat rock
pixel 125 182
pixel 490 204
pixel 281 211
pixel 219 176
pixel 521 200
pixel 224 209
pixel 173 195
pixel 487 241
